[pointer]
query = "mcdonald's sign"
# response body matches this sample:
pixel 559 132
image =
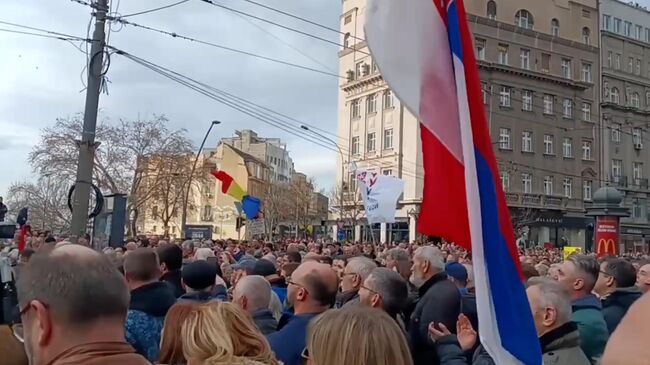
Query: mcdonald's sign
pixel 606 237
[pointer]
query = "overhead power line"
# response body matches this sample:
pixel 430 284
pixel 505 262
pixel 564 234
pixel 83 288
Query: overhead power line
pixel 50 32
pixel 39 35
pixel 155 9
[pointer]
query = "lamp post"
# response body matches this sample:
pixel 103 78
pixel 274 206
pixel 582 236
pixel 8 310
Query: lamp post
pixel 341 206
pixel 189 179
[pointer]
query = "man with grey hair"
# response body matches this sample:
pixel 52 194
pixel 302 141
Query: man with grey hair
pixel 253 294
pixel 578 275
pixel 399 260
pixel 550 304
pixel 386 290
pixel 188 251
pixel 439 303
pixel 356 271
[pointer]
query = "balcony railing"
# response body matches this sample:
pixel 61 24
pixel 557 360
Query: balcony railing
pixel 641 184
pixel 531 199
pixel 619 181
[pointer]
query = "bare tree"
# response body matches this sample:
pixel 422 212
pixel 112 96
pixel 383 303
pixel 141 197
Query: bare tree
pixel 522 219
pixel 301 192
pixel 277 205
pixel 46 200
pixel 348 205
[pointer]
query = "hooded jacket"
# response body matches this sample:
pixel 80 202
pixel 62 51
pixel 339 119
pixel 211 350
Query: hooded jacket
pixel 588 315
pixel 146 316
pixel 616 304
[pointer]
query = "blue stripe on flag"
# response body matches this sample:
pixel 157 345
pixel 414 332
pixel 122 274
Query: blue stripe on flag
pixel 513 316
pixel 455 39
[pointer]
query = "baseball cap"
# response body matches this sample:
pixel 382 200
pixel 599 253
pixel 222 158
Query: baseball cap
pixel 456 271
pixel 245 264
pixel 199 275
pixel 264 267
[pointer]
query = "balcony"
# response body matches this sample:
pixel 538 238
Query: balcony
pixel 641 184
pixel 531 199
pixel 554 201
pixel 619 181
pixel 512 198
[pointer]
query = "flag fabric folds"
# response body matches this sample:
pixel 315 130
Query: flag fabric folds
pixel 250 205
pixel 424 51
pixel 380 194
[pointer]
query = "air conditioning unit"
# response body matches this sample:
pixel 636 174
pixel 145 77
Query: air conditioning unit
pixel 366 69
pixel 638 146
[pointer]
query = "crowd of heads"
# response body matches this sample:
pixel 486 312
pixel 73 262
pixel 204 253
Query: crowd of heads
pixel 224 302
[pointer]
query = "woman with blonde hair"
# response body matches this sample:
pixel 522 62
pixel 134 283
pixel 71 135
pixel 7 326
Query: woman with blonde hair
pixel 171 346
pixel 219 333
pixel 356 336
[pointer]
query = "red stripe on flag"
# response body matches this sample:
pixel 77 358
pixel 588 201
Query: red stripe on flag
pixel 226 180
pixel 444 211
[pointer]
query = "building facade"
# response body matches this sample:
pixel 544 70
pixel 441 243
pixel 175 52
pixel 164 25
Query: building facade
pixel 625 108
pixel 270 150
pixel 539 64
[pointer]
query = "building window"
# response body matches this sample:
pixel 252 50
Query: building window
pixel 637 67
pixel 370 142
pixel 388 172
pixel 504 96
pixel 388 139
pixel 555 28
pixel 638 32
pixel 527 182
pixel 568 187
pixel 504 139
pixel 527 100
pixel 607 22
pixel 356 108
pixel 207 213
pixel 347 19
pixel 388 99
pixel 355 146
pixel 346 40
pixel 503 54
pixel 627 29
pixel 567 108
pixel 492 10
pixel 548 185
pixel 647 35
pixel 371 104
pixel 630 64
pixel 614 96
pixel 524 19
pixel 586 13
pixel 586 150
pixel 154 211
pixel 617 25
pixel 480 49
pixel 586 112
pixel 546 62
pixel 524 57
pixel 635 100
pixel 637 136
pixel 505 180
pixel 548 104
pixel 586 189
pixel 358 71
pixel 586 72
pixel 526 141
pixel 549 149
pixel 484 91
pixel 586 36
pixel 617 62
pixel 647 99
pixel 639 207
pixel 610 54
pixel 616 132
pixel 617 169
pixel 566 68
pixel 637 170
pixel 567 148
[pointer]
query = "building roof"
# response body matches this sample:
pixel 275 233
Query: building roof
pixel 247 157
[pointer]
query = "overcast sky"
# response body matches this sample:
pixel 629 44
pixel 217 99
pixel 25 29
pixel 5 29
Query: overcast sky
pixel 41 77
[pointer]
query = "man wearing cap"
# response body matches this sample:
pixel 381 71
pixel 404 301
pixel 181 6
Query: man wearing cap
pixel 457 274
pixel 244 267
pixel 267 270
pixel 199 281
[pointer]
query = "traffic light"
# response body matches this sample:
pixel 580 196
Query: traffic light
pixel 240 223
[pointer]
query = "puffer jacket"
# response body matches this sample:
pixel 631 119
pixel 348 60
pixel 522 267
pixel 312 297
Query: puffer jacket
pixel 616 304
pixel 561 346
pixel 146 317
pixel 588 315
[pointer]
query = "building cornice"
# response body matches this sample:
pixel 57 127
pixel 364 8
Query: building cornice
pixel 620 37
pixel 542 76
pixel 624 77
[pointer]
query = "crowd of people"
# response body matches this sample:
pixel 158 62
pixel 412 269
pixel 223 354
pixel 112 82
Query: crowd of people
pixel 305 302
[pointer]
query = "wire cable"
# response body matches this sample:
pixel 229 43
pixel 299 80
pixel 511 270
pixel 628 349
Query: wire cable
pixel 40 35
pixel 154 9
pixel 51 32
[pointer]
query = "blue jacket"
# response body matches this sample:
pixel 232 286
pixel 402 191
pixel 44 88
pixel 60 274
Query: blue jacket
pixel 146 316
pixel 588 315
pixel 289 342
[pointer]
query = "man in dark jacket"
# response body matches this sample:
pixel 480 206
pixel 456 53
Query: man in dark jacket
pixel 356 271
pixel 617 290
pixel 253 295
pixel 578 275
pixel 171 260
pixel 150 301
pixel 439 303
pixel 199 281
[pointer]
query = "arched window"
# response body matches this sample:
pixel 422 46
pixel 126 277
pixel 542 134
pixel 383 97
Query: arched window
pixel 614 96
pixel 586 35
pixel 524 19
pixel 491 10
pixel 346 40
pixel 555 27
pixel 635 100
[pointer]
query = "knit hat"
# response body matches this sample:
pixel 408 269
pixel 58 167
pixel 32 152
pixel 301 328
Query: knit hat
pixel 199 275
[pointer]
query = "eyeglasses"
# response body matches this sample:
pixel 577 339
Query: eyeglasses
pixel 370 290
pixel 298 285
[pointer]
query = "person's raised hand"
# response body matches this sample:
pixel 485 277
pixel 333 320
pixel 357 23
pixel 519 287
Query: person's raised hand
pixel 465 333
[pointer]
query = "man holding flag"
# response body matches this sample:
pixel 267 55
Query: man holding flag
pixel 440 85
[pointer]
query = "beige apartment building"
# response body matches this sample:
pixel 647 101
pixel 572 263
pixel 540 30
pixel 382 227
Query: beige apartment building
pixel 539 63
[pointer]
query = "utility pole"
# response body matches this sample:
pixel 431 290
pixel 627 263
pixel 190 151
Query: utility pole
pixel 87 144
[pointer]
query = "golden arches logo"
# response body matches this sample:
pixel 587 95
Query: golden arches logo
pixel 610 247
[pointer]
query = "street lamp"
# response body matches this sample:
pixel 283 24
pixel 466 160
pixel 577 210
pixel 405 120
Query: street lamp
pixel 189 179
pixel 342 162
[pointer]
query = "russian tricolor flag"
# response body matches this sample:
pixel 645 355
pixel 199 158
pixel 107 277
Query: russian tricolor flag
pixel 424 51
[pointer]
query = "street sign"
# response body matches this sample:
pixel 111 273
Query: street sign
pixel 255 226
pixel 341 236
